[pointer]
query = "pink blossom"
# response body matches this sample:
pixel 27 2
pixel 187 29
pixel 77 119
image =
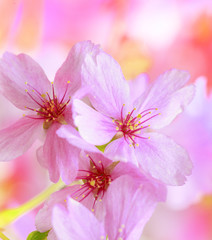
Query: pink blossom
pixel 131 122
pixel 98 175
pixel 48 106
pixel 128 208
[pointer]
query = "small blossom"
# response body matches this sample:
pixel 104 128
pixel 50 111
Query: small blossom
pixel 48 106
pixel 131 121
pixel 97 175
pixel 127 211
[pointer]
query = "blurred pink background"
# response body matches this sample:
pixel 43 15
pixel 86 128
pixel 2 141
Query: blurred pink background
pixel 143 36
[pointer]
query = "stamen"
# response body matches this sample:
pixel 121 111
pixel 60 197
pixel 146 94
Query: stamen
pixel 49 109
pixel 64 93
pixel 95 181
pixel 33 98
pixel 131 127
pixel 36 91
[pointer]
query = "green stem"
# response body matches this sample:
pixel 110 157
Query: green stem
pixel 9 215
pixel 3 237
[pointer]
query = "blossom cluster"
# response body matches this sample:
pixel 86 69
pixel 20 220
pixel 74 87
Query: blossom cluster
pixel 101 135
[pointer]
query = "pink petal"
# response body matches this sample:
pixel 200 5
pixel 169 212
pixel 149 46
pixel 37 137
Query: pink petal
pixel 169 95
pixel 76 223
pixel 128 207
pixel 15 71
pixel 52 235
pixel 68 115
pixel 138 86
pixel 43 218
pixel 59 157
pixel 108 88
pixel 201 102
pixel 119 150
pixel 163 159
pixel 70 71
pixel 18 138
pixel 93 126
pixel 131 170
pixel 72 136
pixel 127 168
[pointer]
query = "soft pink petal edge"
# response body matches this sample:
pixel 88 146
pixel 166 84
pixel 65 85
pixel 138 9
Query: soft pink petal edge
pixel 72 137
pixel 168 95
pixel 18 74
pixel 93 126
pixel 70 224
pixel 68 77
pixel 163 159
pixel 108 88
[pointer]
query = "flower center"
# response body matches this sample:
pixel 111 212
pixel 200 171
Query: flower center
pixel 130 127
pixel 96 181
pixel 50 108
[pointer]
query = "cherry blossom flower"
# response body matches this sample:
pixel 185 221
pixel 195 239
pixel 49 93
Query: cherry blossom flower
pixel 48 106
pixel 128 208
pixel 131 121
pixel 98 174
